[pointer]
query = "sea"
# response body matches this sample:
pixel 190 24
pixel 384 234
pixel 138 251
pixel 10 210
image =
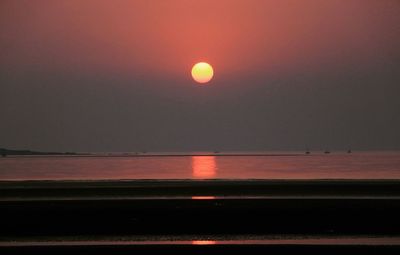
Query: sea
pixel 203 165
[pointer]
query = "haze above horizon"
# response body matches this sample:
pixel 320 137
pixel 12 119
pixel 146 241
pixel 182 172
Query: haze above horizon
pixel 115 76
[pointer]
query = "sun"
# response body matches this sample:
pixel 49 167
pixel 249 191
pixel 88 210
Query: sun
pixel 202 72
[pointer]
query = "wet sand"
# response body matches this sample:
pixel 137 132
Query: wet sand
pixel 169 249
pixel 93 210
pixel 211 187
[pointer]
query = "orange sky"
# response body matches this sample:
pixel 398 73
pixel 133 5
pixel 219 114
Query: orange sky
pixel 115 75
pixel 166 37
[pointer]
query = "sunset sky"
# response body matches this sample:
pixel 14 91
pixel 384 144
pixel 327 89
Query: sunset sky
pixel 100 75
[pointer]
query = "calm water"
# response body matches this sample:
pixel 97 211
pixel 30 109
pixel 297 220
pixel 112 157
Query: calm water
pixel 315 166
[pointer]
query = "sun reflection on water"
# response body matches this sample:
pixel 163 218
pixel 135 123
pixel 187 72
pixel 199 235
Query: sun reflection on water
pixel 203 197
pixel 203 242
pixel 204 167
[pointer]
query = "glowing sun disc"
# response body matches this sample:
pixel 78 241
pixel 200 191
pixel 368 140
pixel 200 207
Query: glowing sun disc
pixel 202 72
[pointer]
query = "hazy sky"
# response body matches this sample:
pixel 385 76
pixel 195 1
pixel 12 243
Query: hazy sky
pixel 115 75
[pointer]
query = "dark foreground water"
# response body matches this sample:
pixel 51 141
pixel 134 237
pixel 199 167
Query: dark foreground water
pixel 376 165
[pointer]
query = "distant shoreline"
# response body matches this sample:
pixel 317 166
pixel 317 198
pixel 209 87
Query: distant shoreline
pixel 7 152
pixel 29 153
pixel 153 155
